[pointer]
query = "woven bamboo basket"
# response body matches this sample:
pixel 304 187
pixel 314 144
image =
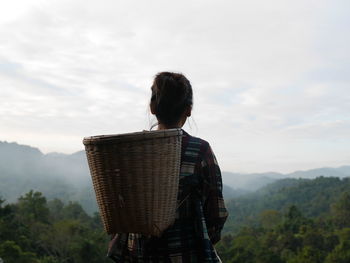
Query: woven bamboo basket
pixel 135 178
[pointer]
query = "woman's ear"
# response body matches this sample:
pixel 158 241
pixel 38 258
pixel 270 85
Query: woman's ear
pixel 152 108
pixel 189 111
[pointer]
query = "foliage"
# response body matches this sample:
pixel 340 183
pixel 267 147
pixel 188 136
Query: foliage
pixel 282 223
pixel 293 235
pixel 313 197
pixel 36 231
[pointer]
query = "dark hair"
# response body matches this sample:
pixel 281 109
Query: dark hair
pixel 171 96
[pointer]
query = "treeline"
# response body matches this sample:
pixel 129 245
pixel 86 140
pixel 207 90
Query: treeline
pixel 290 221
pixel 35 230
pixel 317 230
pixel 313 197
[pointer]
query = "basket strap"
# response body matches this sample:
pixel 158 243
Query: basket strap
pixel 183 200
pixel 191 187
pixel 194 191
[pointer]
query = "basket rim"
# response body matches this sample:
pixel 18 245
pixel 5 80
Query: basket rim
pixel 132 136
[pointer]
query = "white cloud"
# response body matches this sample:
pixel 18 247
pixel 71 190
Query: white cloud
pixel 264 73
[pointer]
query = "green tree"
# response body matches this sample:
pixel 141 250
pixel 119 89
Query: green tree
pixel 341 211
pixel 75 211
pixel 294 219
pixel 270 218
pixel 341 253
pixel 244 249
pixel 312 238
pixel 308 255
pixel 12 253
pixel 33 208
pixel 55 209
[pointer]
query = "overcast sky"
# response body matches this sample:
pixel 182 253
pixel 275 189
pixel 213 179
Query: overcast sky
pixel 270 78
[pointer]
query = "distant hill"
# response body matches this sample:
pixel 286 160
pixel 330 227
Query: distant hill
pixel 254 181
pixel 67 176
pixel 312 196
pixel 249 182
pixel 341 172
pixel 229 192
pixel 58 175
pixel 27 161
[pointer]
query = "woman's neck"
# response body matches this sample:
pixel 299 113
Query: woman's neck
pixel 178 125
pixel 165 127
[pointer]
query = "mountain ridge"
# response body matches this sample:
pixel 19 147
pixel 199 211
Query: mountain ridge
pixel 343 170
pixel 23 167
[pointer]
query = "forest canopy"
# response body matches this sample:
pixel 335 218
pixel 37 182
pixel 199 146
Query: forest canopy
pixel 290 221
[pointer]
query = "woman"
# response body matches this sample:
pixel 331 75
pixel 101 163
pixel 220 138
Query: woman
pixel 201 213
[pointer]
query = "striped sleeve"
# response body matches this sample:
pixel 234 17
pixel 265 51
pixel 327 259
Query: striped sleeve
pixel 215 212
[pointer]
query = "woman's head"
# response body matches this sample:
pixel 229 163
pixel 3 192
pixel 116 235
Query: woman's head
pixel 171 99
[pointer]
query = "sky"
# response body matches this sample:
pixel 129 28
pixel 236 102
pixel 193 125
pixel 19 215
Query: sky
pixel 271 79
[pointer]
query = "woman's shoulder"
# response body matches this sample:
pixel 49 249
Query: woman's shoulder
pixel 195 142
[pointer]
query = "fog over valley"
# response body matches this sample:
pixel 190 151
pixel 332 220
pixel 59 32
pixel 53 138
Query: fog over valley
pixel 66 176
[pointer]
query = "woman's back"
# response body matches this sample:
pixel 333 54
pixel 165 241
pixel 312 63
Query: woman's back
pixel 200 216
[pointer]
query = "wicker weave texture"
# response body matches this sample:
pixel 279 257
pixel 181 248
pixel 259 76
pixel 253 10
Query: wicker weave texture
pixel 135 177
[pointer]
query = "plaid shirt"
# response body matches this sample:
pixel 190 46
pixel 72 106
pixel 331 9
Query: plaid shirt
pixel 199 218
